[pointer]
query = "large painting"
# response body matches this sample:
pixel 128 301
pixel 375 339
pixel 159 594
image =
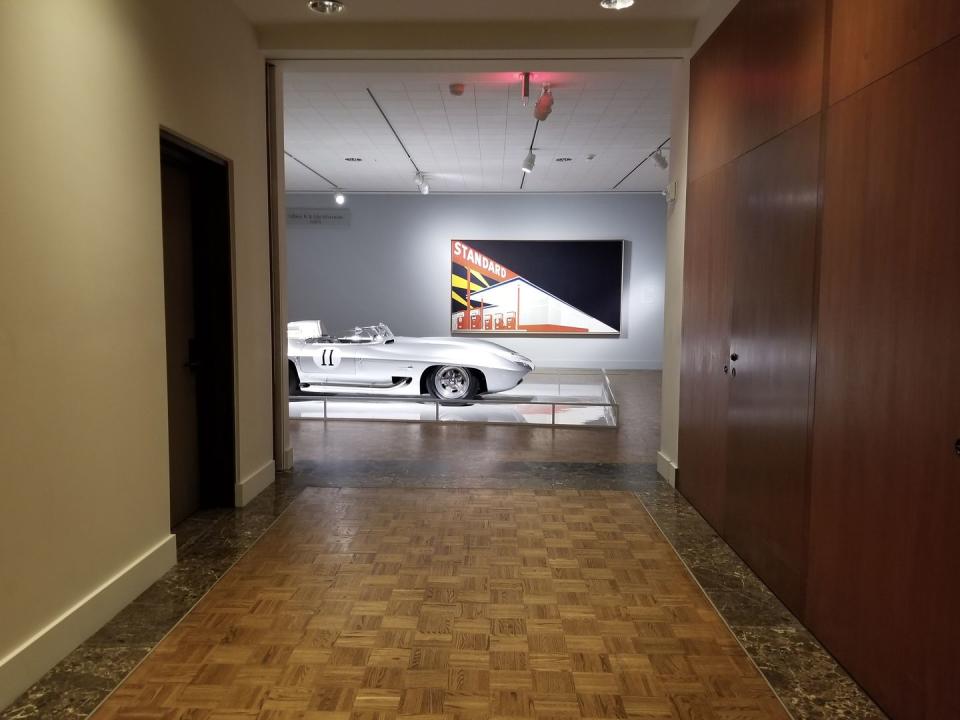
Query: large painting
pixel 536 287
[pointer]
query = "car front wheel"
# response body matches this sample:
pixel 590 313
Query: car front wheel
pixel 452 382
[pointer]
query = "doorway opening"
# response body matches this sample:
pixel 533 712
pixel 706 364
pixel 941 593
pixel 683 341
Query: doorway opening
pixel 198 298
pixel 384 166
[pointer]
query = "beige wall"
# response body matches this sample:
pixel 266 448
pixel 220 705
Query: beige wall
pixel 85 87
pixel 673 287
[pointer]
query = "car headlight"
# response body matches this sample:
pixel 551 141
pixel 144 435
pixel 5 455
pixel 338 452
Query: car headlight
pixel 521 360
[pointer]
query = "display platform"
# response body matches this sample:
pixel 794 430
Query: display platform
pixel 549 398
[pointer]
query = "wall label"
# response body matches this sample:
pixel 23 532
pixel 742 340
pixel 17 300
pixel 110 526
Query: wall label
pixel 318 216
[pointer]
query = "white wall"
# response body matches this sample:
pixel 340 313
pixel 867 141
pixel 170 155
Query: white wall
pixel 84 487
pixel 392 264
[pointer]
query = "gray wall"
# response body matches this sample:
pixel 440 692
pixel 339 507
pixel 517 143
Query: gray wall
pixel 392 264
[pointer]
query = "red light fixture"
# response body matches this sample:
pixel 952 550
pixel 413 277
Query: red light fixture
pixel 525 87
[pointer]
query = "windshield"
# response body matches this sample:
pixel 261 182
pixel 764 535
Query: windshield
pixel 375 334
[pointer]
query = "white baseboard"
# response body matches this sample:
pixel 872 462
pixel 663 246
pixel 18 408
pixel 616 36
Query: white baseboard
pixel 28 663
pixel 252 485
pixel 666 468
pixel 544 365
pixel 287 458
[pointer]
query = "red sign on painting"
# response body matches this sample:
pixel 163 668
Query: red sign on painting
pixel 463 254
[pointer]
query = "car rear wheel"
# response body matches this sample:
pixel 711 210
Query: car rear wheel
pixel 293 378
pixel 452 382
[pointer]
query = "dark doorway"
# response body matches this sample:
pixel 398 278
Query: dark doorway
pixel 198 292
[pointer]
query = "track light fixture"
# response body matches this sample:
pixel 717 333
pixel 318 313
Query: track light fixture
pixel 422 183
pixel 544 106
pixel 529 162
pixel 660 159
pixel 615 4
pixel 339 198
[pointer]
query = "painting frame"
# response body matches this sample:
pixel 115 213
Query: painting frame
pixel 537 287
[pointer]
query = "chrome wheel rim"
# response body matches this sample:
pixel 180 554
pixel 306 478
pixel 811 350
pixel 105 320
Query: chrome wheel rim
pixel 452 382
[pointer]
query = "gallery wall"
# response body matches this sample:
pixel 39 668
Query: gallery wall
pixel 84 487
pixel 392 264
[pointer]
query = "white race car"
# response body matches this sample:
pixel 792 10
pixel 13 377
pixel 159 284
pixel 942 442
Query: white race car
pixel 371 361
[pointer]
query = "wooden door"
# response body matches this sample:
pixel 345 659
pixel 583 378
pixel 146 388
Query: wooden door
pixel 771 341
pixel 885 489
pixel 707 297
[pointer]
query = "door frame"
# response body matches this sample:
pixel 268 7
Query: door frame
pixel 170 137
pixel 277 214
pixel 371 61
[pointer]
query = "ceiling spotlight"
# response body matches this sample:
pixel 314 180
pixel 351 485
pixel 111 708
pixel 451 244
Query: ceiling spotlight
pixel 326 7
pixel 339 198
pixel 544 105
pixel 529 162
pixel 660 159
pixel 422 183
pixel 615 4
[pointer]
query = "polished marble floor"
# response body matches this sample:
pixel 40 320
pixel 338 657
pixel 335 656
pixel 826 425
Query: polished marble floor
pixel 810 684
pixel 476 448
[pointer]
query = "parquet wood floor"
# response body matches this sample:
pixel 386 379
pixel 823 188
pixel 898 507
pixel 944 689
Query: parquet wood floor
pixel 374 604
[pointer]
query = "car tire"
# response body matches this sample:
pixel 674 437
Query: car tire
pixel 453 383
pixel 293 387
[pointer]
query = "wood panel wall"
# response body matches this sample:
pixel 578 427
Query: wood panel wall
pixel 770 335
pixel 756 94
pixel 828 204
pixel 753 79
pixel 871 38
pixel 885 502
pixel 705 341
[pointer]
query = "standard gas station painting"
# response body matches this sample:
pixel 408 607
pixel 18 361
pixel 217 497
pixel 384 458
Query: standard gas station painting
pixel 536 287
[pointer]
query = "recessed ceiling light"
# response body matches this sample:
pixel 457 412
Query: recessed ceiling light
pixel 615 4
pixel 564 159
pixel 353 159
pixel 339 198
pixel 325 7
